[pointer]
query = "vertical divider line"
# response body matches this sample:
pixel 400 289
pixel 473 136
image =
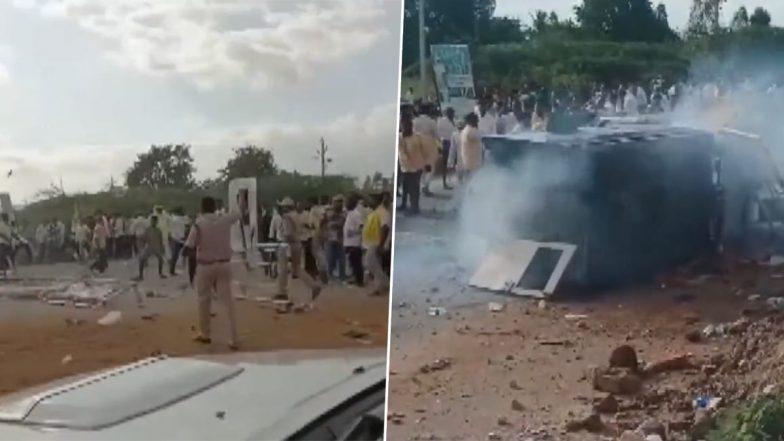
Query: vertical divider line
pixel 394 216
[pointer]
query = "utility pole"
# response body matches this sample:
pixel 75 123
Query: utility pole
pixel 321 155
pixel 422 70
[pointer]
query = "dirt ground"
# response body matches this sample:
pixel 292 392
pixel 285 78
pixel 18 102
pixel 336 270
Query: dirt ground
pixel 39 342
pixel 526 372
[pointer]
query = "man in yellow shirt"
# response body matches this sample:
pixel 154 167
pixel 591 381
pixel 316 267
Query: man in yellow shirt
pixel 374 236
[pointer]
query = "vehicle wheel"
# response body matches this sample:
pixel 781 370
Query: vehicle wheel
pixel 23 256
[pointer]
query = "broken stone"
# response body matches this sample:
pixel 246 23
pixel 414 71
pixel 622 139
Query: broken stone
pixel 67 359
pixel 592 424
pixel 653 427
pixel 624 357
pixel 502 421
pixel 517 406
pixel 738 326
pixel 607 404
pixel 514 386
pixel 631 436
pixel 694 336
pixel 616 381
pixel 674 363
pixel 496 307
pixel 493 436
pixel 438 365
pixel 703 423
pixel 111 318
pixel 357 335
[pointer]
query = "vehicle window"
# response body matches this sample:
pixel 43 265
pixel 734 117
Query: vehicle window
pixel 359 419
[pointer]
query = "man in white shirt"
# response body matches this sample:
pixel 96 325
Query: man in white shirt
pixel 274 232
pixel 487 121
pixel 454 161
pixel 138 227
pixel 352 238
pixel 445 126
pixel 40 239
pixel 178 223
pixel 164 224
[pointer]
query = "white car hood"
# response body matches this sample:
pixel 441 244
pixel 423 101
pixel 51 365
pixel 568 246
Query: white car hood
pixel 192 398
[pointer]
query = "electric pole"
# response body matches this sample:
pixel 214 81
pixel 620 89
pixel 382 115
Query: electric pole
pixel 321 155
pixel 422 70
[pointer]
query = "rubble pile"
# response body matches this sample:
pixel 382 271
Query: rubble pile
pixel 87 293
pixel 680 395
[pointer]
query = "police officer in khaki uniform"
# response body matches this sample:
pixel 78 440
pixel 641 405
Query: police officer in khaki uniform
pixel 292 249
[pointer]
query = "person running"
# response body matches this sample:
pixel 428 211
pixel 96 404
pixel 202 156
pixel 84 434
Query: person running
pixel 153 247
pixel 292 250
pixel 210 237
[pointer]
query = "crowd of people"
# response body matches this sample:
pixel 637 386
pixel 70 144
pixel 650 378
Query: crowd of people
pixel 434 140
pixel 320 241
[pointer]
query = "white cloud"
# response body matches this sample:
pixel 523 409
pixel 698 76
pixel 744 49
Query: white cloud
pixel 218 42
pixel 359 145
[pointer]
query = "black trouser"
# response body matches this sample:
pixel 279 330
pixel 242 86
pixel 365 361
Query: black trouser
pixel 176 249
pixel 192 263
pixel 146 254
pixel 445 147
pixel 310 259
pixel 411 188
pixel 355 261
pixel 386 262
pixel 101 262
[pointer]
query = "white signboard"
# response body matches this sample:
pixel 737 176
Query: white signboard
pixel 244 187
pixel 454 77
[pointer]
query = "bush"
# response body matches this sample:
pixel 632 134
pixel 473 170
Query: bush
pixel 762 420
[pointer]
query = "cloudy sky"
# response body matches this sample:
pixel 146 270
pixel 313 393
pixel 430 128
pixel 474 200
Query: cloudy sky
pixel 85 85
pixel 678 9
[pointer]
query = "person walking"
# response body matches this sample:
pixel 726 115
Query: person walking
pixel 470 147
pixel 374 236
pixel 153 247
pixel 100 242
pixel 210 238
pixel 336 258
pixel 411 156
pixel 445 127
pixel 292 249
pixel 352 238
pixel 177 238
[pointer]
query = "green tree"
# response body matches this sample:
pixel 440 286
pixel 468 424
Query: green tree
pixel 760 17
pixel 446 21
pixel 741 18
pixel 623 20
pixel 705 17
pixel 249 161
pixel 167 166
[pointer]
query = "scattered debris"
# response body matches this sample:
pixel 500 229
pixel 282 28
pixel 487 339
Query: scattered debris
pixel 111 318
pixel 357 335
pixel 517 406
pixel 694 336
pixel 435 311
pixel 555 343
pixel 149 317
pixel 67 359
pixel 496 307
pixel 592 424
pixel 617 381
pixel 542 304
pixel 607 405
pixel 575 316
pixel 776 303
pixel 438 365
pixel 674 363
pixel 220 415
pixel 283 306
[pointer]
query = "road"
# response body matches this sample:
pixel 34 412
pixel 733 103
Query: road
pixel 523 373
pixel 39 342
